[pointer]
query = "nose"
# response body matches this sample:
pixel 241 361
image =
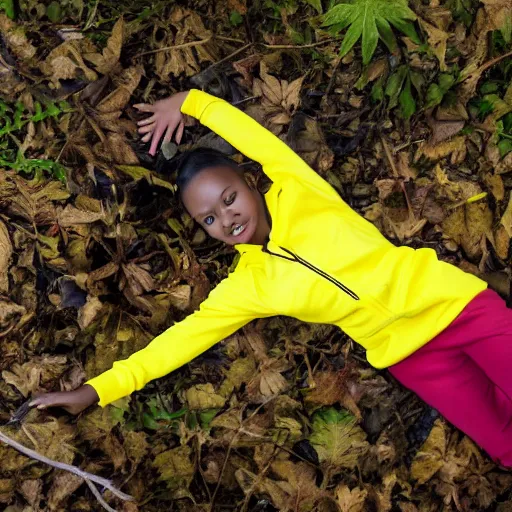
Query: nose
pixel 228 218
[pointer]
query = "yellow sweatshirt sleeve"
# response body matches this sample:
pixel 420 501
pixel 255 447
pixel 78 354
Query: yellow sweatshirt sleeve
pixel 251 139
pixel 229 306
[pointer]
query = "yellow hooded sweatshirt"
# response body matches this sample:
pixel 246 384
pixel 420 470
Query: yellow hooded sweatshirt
pixel 323 263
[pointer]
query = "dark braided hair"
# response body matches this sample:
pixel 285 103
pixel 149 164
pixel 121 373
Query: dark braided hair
pixel 191 163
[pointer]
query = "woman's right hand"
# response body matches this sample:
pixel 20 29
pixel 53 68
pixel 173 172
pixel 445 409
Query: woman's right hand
pixel 166 120
pixel 72 401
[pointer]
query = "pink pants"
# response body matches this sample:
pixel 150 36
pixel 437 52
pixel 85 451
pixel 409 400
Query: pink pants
pixel 466 374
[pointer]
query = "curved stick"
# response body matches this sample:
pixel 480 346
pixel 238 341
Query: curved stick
pixel 66 467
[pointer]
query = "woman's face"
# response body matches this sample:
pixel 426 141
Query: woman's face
pixel 219 199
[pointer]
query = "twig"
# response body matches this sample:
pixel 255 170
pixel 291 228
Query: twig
pixel 484 67
pixel 175 47
pixel 98 496
pixel 230 39
pixel 231 55
pixel 66 467
pixel 396 174
pixel 332 79
pixel 298 46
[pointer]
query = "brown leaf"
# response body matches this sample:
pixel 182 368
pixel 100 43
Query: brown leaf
pixel 7 489
pixel 114 449
pixel 10 313
pixel 203 396
pixel 136 446
pixel 437 39
pixel 39 371
pixel 455 147
pixel 180 296
pixel 330 388
pixel 96 425
pixel 71 216
pixel 5 258
pixel 89 311
pixel 117 100
pixel 138 279
pixel 291 93
pixel 175 467
pixel 52 439
pixel 238 5
pixel 430 458
pixel 495 183
pixel 67 55
pixel 506 219
pixel 108 59
pixel 31 491
pixel 443 130
pixel 64 484
pixel 351 500
pixel 16 39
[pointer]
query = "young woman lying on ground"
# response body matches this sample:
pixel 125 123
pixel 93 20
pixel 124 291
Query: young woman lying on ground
pixel 305 253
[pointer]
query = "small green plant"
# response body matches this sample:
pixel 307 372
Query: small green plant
pixel 463 10
pixel 437 92
pixel 7 7
pixel 371 20
pixel 13 119
pixel 399 89
pixel 504 132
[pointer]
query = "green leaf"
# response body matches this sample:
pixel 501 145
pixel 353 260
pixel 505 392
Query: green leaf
pixel 505 147
pixel 206 417
pixel 434 95
pixel 436 92
pixel 377 94
pixel 407 102
pixel 386 34
pixel 7 6
pixel 371 20
pixel 316 4
pixel 235 18
pixel 54 12
pixel 418 81
pixel 338 440
pixel 394 85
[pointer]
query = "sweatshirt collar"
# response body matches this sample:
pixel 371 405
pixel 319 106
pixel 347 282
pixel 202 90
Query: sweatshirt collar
pixel 272 200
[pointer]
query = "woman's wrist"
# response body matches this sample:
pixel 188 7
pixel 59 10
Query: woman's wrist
pixel 87 394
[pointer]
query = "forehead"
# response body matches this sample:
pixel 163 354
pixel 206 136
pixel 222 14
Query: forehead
pixel 204 189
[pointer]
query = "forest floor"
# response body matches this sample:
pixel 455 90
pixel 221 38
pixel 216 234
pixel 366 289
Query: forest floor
pixel 97 256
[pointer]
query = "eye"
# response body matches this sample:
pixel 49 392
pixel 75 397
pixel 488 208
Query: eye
pixel 230 199
pixel 209 220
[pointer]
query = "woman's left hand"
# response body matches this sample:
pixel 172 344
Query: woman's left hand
pixel 166 120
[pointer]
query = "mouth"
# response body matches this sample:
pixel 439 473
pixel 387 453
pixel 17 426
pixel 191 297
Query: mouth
pixel 238 229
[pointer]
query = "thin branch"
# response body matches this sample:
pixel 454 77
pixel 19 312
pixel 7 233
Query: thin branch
pixel 396 174
pixel 298 46
pixel 231 55
pixel 230 39
pixel 175 47
pixel 98 496
pixel 487 65
pixel 66 467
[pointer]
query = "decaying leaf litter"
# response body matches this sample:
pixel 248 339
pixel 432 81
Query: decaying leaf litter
pixel 97 256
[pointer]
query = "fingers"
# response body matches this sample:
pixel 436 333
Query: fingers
pixel 168 134
pixel 147 129
pixel 147 137
pixel 157 135
pixel 46 400
pixel 148 120
pixel 179 131
pixel 144 107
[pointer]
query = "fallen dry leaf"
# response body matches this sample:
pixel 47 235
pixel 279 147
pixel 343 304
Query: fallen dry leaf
pixel 5 257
